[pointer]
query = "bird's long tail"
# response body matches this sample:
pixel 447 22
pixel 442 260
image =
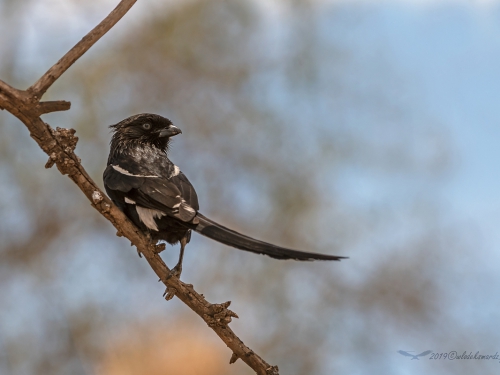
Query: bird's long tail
pixel 229 237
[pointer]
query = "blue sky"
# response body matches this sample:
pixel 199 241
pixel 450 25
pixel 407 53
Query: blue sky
pixel 446 55
pixel 443 62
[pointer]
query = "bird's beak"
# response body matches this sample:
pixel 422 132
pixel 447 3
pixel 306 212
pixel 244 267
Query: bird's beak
pixel 170 131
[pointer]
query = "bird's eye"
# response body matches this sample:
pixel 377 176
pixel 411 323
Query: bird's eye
pixel 146 126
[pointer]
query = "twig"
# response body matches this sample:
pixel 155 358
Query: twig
pixel 59 145
pixel 45 81
pixel 53 106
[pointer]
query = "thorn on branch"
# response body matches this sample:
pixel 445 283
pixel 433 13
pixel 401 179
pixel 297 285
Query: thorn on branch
pixel 169 293
pixel 52 160
pixel 234 358
pixel 159 248
pixel 273 370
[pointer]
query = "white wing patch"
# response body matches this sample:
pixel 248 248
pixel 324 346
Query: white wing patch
pixel 128 200
pixel 148 216
pixel 127 173
pixel 188 208
pixel 186 212
pixel 176 171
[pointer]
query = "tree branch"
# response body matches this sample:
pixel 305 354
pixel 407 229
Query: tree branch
pixel 45 81
pixel 59 144
pixel 52 106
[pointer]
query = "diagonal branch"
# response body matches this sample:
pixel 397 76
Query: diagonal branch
pixel 45 81
pixel 59 144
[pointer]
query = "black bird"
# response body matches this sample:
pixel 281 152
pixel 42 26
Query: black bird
pixel 159 199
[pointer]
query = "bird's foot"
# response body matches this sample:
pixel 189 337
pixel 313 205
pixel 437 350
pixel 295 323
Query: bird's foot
pixel 170 291
pixel 176 271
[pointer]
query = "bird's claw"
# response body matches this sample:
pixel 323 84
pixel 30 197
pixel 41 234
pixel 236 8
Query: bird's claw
pixel 170 291
pixel 176 271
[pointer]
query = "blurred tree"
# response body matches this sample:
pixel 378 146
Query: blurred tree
pixel 164 349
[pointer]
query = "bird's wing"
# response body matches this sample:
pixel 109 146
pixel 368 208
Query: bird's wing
pixel 187 190
pixel 124 182
pixel 424 353
pixel 402 352
pixel 152 192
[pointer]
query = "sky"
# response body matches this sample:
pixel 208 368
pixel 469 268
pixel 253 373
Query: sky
pixel 448 54
pixel 443 58
pixel 451 54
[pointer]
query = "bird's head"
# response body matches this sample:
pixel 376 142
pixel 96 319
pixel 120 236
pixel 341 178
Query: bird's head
pixel 146 130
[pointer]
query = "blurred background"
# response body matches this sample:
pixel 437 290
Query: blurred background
pixel 367 129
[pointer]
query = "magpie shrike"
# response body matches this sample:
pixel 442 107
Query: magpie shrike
pixel 159 199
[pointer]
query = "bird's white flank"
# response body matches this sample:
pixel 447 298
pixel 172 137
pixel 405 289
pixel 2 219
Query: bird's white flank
pixel 148 216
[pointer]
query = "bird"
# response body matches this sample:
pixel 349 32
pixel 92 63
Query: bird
pixel 406 354
pixel 158 198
